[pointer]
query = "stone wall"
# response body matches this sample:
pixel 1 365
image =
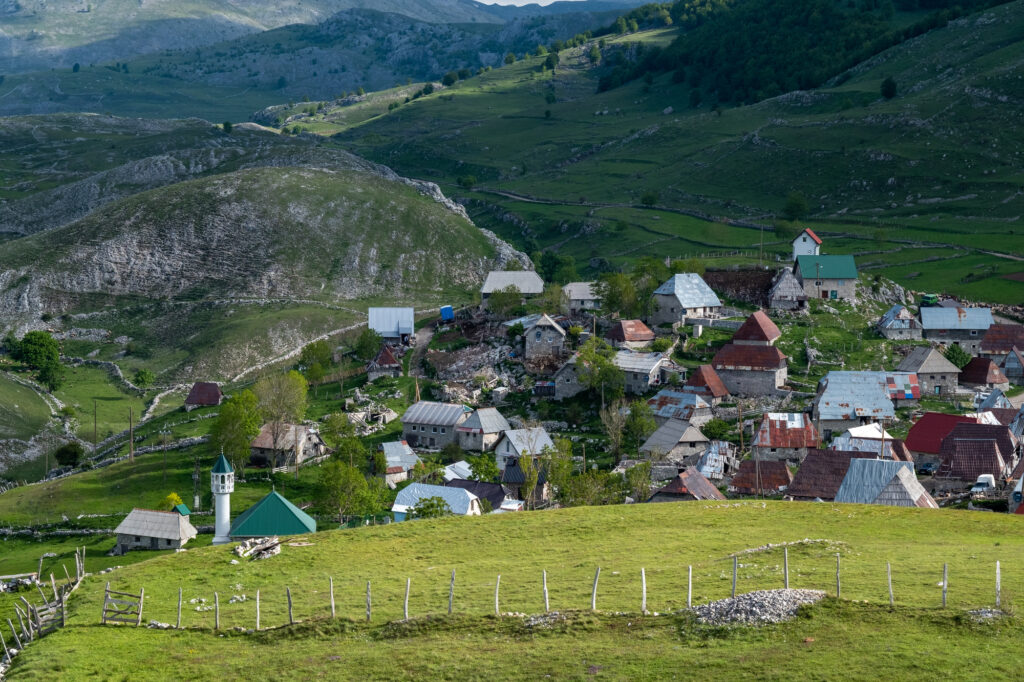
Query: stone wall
pixel 750 285
pixel 846 291
pixel 780 454
pixel 752 382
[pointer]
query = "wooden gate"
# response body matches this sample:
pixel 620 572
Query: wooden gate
pixel 122 607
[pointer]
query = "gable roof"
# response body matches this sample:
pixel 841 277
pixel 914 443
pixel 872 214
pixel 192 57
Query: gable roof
pixel 546 321
pixel 513 473
pixel 844 394
pixel 960 319
pixel 927 360
pixel 996 432
pixel 631 361
pixel 898 317
pixel 672 404
pixel 1004 415
pixel 149 523
pixel 525 281
pixel 273 515
pixel 706 377
pixel 492 492
pixel 734 356
pixel 399 454
pixel 965 459
pixel 810 233
pixel 391 322
pixel 670 434
pixel 998 404
pixel 265 440
pixel 691 482
pixel 821 474
pixel 1001 338
pixel 182 509
pixel 457 470
pixel 866 478
pixel 435 414
pixel 460 501
pixel 484 420
pixel 204 393
pixel 928 432
pixel 904 490
pixel 690 290
pixel 888 448
pixel 718 455
pixel 222 466
pixel 580 291
pixel 529 441
pixel 385 358
pixel 786 430
pixel 787 287
pixel 831 267
pixel 633 331
pixel 982 371
pixel 775 477
pixel 757 327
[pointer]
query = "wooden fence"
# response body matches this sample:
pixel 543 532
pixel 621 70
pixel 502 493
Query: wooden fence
pixel 122 607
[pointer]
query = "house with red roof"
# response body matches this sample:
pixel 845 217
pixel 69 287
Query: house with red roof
pixel 983 373
pixel 974 449
pixel 806 244
pixel 785 437
pixel 631 334
pixel 926 435
pixel 203 394
pixel 706 383
pixel 751 364
pixel 1000 340
pixel 689 485
pixel 384 365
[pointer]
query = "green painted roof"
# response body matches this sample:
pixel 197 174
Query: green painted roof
pixel 273 515
pixel 223 466
pixel 832 267
pixel 182 509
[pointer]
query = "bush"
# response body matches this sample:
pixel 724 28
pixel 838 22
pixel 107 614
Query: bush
pixel 449 78
pixel 661 344
pixel 888 88
pixel 649 198
pixel 67 455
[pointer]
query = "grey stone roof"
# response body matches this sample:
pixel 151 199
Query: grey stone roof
pixel 925 360
pixel 690 290
pixel 485 420
pixel 434 414
pixel 580 291
pixel 149 523
pixel 526 281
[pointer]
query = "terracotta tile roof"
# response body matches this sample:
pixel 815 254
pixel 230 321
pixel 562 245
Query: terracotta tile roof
pixel 691 483
pixel 1005 415
pixel 1000 434
pixel 385 358
pixel 633 331
pixel 810 233
pixel 758 327
pixel 775 478
pixel 706 377
pixel 821 473
pixel 982 371
pixel 204 393
pixel 927 433
pixel 967 459
pixel 784 430
pixel 1001 338
pixel 735 356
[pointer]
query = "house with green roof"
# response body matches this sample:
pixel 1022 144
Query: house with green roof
pixel 828 277
pixel 273 515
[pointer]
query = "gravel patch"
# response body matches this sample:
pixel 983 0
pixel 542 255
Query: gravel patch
pixel 763 606
pixel 985 615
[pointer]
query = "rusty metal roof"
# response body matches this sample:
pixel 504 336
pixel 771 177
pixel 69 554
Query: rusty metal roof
pixel 693 484
pixel 960 319
pixel 758 327
pixel 1002 338
pixel 775 478
pixel 844 395
pixel 706 377
pixel 671 404
pixel 734 356
pixel 821 473
pixel 982 371
pixel 633 331
pixel 786 430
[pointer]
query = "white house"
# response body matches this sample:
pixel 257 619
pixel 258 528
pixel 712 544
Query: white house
pixel 806 244
pixel 518 443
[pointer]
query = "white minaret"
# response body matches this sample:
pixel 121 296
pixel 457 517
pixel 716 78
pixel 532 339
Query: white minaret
pixel 222 484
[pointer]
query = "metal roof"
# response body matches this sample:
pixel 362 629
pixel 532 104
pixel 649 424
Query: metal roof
pixel 670 434
pixel 866 478
pixel 148 523
pixel 775 477
pixel 485 420
pixel 392 322
pixel 786 430
pixel 927 360
pixel 671 404
pixel 1003 338
pixel 526 281
pixel 959 319
pixel 580 291
pixel 821 474
pixel 904 490
pixel 735 356
pixel 273 515
pixel 399 454
pixel 204 393
pixel 434 414
pixel 787 288
pixel 222 466
pixel 630 330
pixel 757 327
pixel 898 317
pixel 928 432
pixel 630 361
pixel 458 500
pixel 995 400
pixel 492 492
pixel 182 509
pixel 705 377
pixel 546 321
pixel 690 290
pixel 844 395
pixel 531 441
pixel 712 463
pixel 826 267
pixel 982 371
pixel 691 483
pixel 460 469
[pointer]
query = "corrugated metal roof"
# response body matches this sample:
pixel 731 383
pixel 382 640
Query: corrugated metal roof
pixel 633 331
pixel 960 319
pixel 458 500
pixel 273 515
pixel 821 473
pixel 866 478
pixel 434 414
pixel 672 404
pixel 927 433
pixel 630 361
pixel 485 420
pixel 995 400
pixel 831 267
pixel 892 449
pixel 712 463
pixel 670 434
pixel 526 281
pixel 531 441
pixel 580 291
pixel 148 523
pixel 775 477
pixel 492 492
pixel 690 290
pixel 392 322
pixel 204 393
pixel 786 430
pixel 1002 338
pixel 904 490
pixel 399 454
pixel 845 395
pixel 691 483
pixel 898 317
pixel 982 371
pixel 460 469
pixel 927 360
pixel 707 378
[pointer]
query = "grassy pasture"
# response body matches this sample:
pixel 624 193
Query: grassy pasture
pixel 22 412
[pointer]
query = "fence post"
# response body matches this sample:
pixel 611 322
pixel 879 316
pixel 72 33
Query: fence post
pixel 497 586
pixel 405 606
pixel 39 571
pixel 643 591
pixel 257 610
pixel 451 593
pixel 15 633
pixel 178 624
pixel 689 586
pixel 332 597
pixel 888 575
pixel 291 619
pixel 593 593
pixel 839 589
pixel 142 598
pixel 7 654
pixel 216 611
pixel 63 610
pixel 41 593
pixel 367 601
pixel 785 564
pixel 945 583
pixel 53 586
pixel 998 586
pixel 735 563
pixel 67 575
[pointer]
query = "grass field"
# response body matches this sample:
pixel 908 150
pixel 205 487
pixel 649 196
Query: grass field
pixel 858 635
pixel 91 387
pixel 22 412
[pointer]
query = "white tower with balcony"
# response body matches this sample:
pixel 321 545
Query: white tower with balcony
pixel 222 484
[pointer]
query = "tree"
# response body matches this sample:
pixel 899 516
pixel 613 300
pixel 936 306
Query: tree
pixel 52 376
pixel 649 198
pixel 957 355
pixel 361 91
pixel 620 25
pixel 484 468
pixel 716 429
pixel 452 453
pixel 350 449
pixel 318 351
pixel 282 402
pixel 38 349
pixel 228 127
pixel 888 88
pixel 450 78
pixel 69 454
pixel 559 463
pixel 282 82
pixel 144 378
pixel 640 423
pixel 531 474
pixel 238 423
pixel 540 51
pixel 503 301
pixel 431 508
pixel 336 428
pixel 551 61
pixel 594 55
pixel 597 371
pixel 613 419
pixel 340 489
pixel 76 67
pixel 617 293
pixel 510 58
pixel 466 181
pixel 367 344
pixel 638 481
pixel 694 265
pixel 171 501
pixel 796 206
pixel 315 373
pixel 552 299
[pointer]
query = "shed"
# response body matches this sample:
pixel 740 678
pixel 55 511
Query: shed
pixel 203 394
pixel 272 515
pixel 151 529
pixel 899 323
pixel 787 293
pixel 774 477
pixel 630 334
pixel 904 490
pixel 689 485
pixel 866 478
pixel 668 404
pixel 718 461
pixel 705 381
pixel 395 325
pixel 383 365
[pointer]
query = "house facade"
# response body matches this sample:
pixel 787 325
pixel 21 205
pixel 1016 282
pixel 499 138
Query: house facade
pixel 964 327
pixel 460 502
pixel 395 325
pixel 527 282
pixel 482 429
pixel 384 364
pixel 432 425
pixel 517 443
pixel 785 436
pixel 543 340
pixel 750 364
pixel 150 529
pixel 787 293
pixel 295 444
pixel 828 277
pixel 682 296
pixel 675 441
pixel 806 244
pixel 580 297
pixel 899 323
pixel 935 374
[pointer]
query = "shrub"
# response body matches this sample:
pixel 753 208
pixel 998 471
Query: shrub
pixel 67 455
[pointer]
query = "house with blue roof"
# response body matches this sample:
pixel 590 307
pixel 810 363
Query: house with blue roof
pixel 684 295
pixel 964 327
pixel 461 502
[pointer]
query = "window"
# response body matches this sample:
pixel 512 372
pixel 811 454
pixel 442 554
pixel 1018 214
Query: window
pixel 168 542
pixel 442 429
pixel 803 239
pixel 538 335
pixel 932 377
pixel 817 284
pixel 974 332
pixel 435 429
pixel 842 282
pixel 138 539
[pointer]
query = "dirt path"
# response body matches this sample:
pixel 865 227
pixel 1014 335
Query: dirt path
pixel 422 340
pixel 295 351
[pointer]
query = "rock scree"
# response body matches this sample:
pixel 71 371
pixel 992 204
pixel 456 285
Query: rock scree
pixel 755 608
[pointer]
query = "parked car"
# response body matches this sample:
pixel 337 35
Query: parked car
pixel 927 468
pixel 984 483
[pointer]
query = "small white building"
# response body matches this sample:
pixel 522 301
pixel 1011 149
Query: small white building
pixel 581 297
pixel 806 244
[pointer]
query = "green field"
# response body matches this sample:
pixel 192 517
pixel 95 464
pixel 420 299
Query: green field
pixel 858 634
pixel 90 392
pixel 22 412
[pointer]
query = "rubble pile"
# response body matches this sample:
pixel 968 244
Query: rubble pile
pixel 763 606
pixel 259 548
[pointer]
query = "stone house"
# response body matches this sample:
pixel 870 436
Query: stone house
pixel 924 441
pixel 964 327
pixel 787 293
pixel 527 282
pixel 385 364
pixel 150 529
pixel 432 425
pixel 630 334
pixel 394 325
pixel 676 441
pixel 296 444
pixel 692 407
pixel 682 296
pixel 643 371
pixel 516 443
pixel 899 323
pixel 936 374
pixel 566 381
pixel 850 398
pixel 1002 341
pixel 706 383
pixel 400 460
pixel 543 340
pixel 785 436
pixel 203 394
pixel 482 430
pixel 1013 366
pixel 806 244
pixel 750 364
pixel 983 373
pixel 828 277
pixel 513 478
pixel 580 297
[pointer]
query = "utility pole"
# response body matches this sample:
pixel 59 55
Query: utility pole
pixel 164 437
pixel 739 408
pixel 131 436
pixel 195 484
pixel 95 442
